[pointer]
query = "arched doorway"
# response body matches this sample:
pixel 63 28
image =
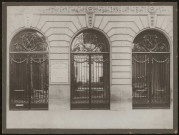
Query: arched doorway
pixel 29 79
pixel 151 70
pixel 90 88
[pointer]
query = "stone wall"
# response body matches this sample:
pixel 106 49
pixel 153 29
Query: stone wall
pixel 120 24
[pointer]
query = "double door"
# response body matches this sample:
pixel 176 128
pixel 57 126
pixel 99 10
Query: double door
pixel 28 81
pixel 151 80
pixel 90 81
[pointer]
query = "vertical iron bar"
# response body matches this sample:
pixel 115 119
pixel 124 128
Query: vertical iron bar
pixel 90 80
pixel 31 83
pixel 150 78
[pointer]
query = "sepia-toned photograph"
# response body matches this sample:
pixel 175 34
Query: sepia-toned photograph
pixel 90 67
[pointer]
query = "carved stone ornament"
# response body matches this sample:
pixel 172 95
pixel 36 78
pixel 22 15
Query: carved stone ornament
pixel 152 20
pixel 105 10
pixel 152 17
pixel 90 16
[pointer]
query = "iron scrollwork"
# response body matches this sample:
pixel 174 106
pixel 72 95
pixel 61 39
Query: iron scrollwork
pixel 88 42
pixel 29 71
pixel 90 64
pixel 28 41
pixel 151 70
pixel 151 42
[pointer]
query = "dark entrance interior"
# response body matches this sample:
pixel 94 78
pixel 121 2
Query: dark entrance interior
pixel 90 71
pixel 151 70
pixel 28 71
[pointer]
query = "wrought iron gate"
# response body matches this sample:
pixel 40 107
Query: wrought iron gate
pixel 151 71
pixel 89 73
pixel 28 71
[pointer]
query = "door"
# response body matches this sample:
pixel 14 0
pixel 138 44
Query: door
pixel 39 82
pixel 90 88
pixel 150 80
pixel 90 82
pixel 29 82
pixel 19 82
pixel 151 70
pixel 28 71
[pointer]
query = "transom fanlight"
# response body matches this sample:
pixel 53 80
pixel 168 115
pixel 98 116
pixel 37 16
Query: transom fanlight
pixel 28 45
pixel 90 41
pixel 151 41
pixel 28 40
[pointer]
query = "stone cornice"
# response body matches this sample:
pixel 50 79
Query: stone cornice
pixel 106 10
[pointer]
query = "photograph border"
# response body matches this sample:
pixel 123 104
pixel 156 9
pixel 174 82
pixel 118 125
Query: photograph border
pixel 90 131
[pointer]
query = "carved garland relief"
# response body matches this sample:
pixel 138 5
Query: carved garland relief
pixel 91 11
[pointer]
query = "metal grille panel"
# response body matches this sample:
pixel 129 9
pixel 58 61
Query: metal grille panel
pixel 28 71
pixel 151 70
pixel 90 81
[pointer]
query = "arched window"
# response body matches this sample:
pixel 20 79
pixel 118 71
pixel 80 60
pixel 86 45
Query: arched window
pixel 151 70
pixel 90 71
pixel 28 70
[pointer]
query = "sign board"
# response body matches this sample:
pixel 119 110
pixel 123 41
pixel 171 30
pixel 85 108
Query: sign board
pixel 59 71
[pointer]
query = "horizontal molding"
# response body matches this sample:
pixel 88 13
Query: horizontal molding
pixel 121 49
pixel 120 84
pixel 98 14
pixel 58 34
pixel 58 83
pixel 121 75
pixel 121 71
pixel 59 53
pixel 59 40
pixel 121 78
pixel 59 56
pixel 59 25
pixel 121 40
pixel 121 24
pixel 120 34
pixel 121 65
pixel 41 14
pixel 59 43
pixel 119 68
pixel 59 46
pixel 59 37
pixel 58 59
pixel 58 49
pixel 149 52
pixel 121 59
pixel 119 28
pixel 121 46
pixel 119 56
pixel 58 21
pixel 120 43
pixel 59 28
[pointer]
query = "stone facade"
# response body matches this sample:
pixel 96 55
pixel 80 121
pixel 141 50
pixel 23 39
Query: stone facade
pixel 120 24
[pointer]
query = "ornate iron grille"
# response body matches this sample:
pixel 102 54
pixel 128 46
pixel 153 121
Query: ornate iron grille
pixel 90 71
pixel 28 71
pixel 151 70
